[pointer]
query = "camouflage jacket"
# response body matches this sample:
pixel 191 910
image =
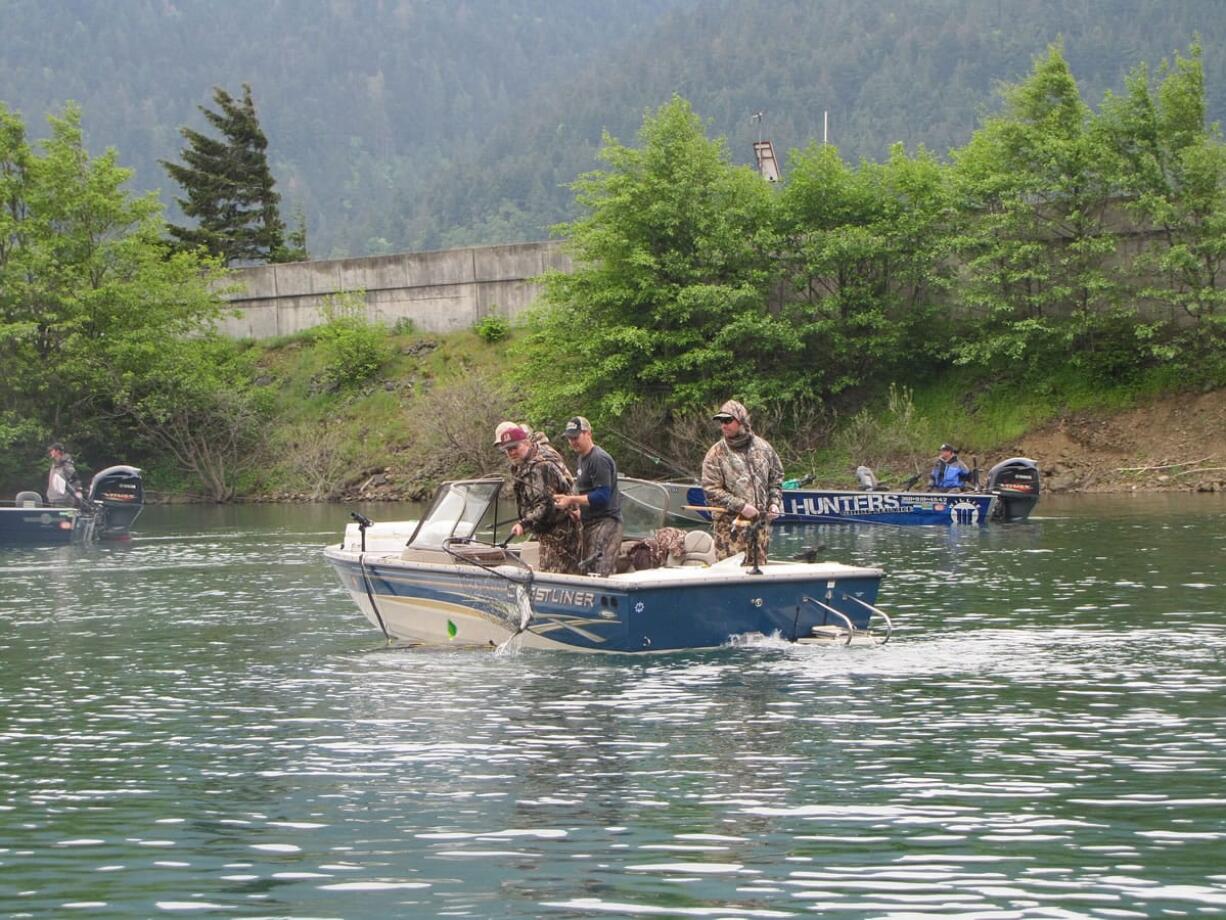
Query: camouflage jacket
pixel 549 452
pixel 734 477
pixel 536 480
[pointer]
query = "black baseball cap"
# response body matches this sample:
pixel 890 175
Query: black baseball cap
pixel 576 426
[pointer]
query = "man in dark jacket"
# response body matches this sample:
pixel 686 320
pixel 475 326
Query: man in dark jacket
pixel 63 486
pixel 598 499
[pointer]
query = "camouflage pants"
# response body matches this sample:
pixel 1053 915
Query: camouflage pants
pixel 731 539
pixel 604 536
pixel 560 549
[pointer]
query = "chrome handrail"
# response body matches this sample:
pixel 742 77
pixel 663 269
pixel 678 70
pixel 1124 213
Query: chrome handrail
pixel 889 624
pixel 851 629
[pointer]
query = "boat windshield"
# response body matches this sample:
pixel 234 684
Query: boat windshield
pixel 456 513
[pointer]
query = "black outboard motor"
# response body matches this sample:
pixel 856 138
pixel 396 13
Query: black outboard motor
pixel 118 495
pixel 1016 484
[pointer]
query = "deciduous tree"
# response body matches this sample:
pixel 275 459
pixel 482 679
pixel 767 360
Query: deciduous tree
pixel 1174 175
pixel 865 252
pixel 669 296
pixel 104 328
pixel 1036 186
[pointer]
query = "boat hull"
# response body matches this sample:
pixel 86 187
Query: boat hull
pixel 653 610
pixel 39 526
pixel 831 506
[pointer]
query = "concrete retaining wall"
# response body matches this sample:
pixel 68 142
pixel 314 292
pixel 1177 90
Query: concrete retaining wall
pixel 449 289
pixel 439 291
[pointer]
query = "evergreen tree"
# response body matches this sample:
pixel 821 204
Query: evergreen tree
pixel 230 190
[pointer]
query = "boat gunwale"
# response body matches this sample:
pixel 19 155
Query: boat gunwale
pixel 779 571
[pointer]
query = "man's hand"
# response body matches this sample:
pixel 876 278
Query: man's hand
pixel 771 513
pixel 749 512
pixel 517 530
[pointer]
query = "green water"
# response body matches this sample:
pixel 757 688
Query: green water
pixel 199 722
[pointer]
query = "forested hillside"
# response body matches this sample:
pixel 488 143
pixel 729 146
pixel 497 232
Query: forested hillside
pixel 362 102
pixel 408 124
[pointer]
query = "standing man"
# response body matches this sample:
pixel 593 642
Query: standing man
pixel 537 478
pixel 542 444
pixel 742 474
pixel 950 473
pixel 598 499
pixel 63 486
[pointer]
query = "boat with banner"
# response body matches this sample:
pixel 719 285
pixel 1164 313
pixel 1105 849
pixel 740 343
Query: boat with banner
pixel 1011 493
pixel 114 500
pixel 451 581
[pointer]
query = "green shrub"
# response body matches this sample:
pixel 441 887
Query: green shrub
pixel 492 328
pixel 352 348
pixel 875 437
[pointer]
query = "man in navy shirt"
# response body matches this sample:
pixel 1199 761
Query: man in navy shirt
pixel 597 500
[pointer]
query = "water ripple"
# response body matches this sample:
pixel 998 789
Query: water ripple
pixel 195 723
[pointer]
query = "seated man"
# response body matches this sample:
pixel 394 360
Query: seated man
pixel 655 551
pixel 949 474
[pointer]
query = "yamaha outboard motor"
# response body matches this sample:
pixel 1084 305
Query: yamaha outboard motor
pixel 1016 484
pixel 118 495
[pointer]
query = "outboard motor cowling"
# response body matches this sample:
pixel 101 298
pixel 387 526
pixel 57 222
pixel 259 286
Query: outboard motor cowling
pixel 118 495
pixel 1016 484
pixel 866 478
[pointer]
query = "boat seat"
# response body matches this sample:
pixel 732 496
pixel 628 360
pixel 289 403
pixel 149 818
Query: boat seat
pixel 699 548
pixel 529 552
pixel 28 500
pixel 625 562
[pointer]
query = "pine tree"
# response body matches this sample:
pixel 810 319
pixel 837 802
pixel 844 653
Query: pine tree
pixel 230 190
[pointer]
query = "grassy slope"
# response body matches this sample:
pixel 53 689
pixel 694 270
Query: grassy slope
pixel 430 412
pixel 897 432
pixel 323 444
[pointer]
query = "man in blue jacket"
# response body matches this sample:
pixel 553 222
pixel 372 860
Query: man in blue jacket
pixel 950 473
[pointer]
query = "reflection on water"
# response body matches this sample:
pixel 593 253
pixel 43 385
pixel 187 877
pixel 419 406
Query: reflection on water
pixel 200 721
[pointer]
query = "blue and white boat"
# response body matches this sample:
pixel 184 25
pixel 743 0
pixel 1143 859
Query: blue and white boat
pixel 1011 493
pixel 443 585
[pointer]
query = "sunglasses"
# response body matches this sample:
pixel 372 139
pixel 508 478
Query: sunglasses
pixel 724 419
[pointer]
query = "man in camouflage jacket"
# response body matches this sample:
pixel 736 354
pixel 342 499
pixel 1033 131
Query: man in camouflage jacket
pixel 537 477
pixel 743 475
pixel 543 445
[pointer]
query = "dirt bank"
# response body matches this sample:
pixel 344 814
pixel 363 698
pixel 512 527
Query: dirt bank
pixel 1177 443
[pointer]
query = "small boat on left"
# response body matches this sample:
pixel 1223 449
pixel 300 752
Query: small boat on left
pixel 114 500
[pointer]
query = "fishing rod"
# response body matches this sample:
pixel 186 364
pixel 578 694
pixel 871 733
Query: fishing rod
pixel 651 455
